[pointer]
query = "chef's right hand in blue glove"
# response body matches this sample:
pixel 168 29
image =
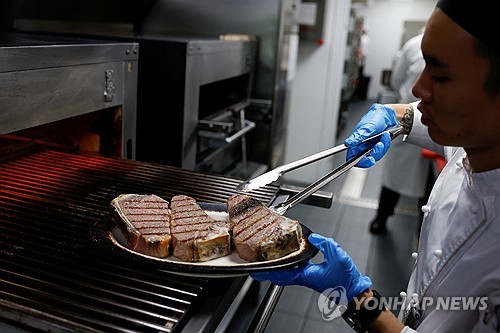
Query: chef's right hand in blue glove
pixel 378 118
pixel 337 270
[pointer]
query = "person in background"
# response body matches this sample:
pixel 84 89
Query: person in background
pixel 405 169
pixel 455 283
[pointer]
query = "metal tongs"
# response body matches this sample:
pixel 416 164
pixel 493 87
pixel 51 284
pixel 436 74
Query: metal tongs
pixel 276 173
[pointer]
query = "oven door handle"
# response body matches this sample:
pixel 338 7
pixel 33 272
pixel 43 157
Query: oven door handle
pixel 247 128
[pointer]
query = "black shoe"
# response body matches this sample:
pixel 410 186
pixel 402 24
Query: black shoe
pixel 377 227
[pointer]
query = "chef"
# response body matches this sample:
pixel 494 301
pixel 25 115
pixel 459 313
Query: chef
pixel 455 283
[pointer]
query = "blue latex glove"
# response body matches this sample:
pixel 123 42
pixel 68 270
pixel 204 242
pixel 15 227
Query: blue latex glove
pixel 378 118
pixel 338 270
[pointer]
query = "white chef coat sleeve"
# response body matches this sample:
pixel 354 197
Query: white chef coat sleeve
pixel 419 135
pixel 489 315
pixel 399 71
pixel 406 329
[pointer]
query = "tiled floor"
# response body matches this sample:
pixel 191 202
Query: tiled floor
pixel 386 259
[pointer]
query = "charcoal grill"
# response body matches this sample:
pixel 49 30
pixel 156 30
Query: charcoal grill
pixel 52 277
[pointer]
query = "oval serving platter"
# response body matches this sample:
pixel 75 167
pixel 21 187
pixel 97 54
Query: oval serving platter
pixel 109 236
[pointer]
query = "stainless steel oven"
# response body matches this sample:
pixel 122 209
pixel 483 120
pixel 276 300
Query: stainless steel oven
pixel 67 112
pixel 191 99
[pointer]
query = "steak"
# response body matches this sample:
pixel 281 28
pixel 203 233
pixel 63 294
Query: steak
pixel 258 232
pixel 145 222
pixel 195 235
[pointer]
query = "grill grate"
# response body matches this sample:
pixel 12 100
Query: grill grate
pixel 50 270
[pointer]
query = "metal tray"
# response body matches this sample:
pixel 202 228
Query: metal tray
pixel 108 236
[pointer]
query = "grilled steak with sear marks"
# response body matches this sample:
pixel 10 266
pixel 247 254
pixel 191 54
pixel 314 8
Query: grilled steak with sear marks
pixel 145 222
pixel 195 235
pixel 258 232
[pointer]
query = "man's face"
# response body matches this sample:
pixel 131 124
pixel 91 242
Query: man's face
pixel 455 105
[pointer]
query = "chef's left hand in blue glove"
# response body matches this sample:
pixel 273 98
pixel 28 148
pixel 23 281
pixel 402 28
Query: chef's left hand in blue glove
pixel 337 270
pixel 378 118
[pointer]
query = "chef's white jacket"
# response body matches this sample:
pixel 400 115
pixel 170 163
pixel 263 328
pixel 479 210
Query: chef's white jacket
pixel 459 247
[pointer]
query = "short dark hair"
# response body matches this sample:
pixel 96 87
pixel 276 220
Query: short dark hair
pixel 492 83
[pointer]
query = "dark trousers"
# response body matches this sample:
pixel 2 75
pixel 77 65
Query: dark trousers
pixel 387 202
pixel 389 199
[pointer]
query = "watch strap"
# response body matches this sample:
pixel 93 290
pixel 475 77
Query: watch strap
pixel 360 319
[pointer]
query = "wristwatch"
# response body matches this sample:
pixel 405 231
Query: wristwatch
pixel 360 319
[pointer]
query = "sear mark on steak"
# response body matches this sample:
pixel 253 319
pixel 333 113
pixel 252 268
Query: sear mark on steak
pixel 145 222
pixel 195 235
pixel 259 233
